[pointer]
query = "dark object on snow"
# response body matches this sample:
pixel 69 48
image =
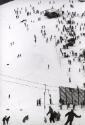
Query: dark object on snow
pixel 68 105
pixel 53 13
pixel 74 106
pixel 21 109
pixel 70 22
pixel 54 116
pixel 45 120
pixel 39 102
pixel 71 6
pixel 19 55
pixel 24 20
pixel 51 112
pixel 50 100
pixel 7 109
pixel 70 43
pixel 57 116
pixel 7 119
pixel 7 64
pixel 9 96
pixel 82 55
pixel 71 116
pixel 4 1
pixel 81 0
pixel 4 120
pixel 48 66
pixel 25 118
pixel 61 101
pixel 65 55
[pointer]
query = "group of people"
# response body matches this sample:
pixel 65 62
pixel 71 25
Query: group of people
pixel 6 120
pixel 67 27
pixel 54 116
pixel 66 30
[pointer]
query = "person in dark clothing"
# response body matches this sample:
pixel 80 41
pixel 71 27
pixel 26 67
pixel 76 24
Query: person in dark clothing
pixel 7 119
pixel 9 96
pixel 4 120
pixel 74 106
pixel 39 102
pixel 51 112
pixel 25 118
pixel 71 116
pixel 68 105
pixel 50 100
pixel 57 116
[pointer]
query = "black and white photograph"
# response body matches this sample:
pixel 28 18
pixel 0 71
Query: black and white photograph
pixel 42 62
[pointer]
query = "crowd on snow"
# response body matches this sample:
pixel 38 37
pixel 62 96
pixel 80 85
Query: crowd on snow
pixel 66 26
pixel 67 41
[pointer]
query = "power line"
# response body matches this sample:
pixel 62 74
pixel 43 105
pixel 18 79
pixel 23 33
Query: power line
pixel 21 84
pixel 17 78
pixel 27 85
pixel 29 81
pixel 44 89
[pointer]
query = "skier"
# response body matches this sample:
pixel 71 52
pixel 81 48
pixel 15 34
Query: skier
pixel 4 120
pixel 51 112
pixel 9 96
pixel 7 119
pixel 71 116
pixel 25 118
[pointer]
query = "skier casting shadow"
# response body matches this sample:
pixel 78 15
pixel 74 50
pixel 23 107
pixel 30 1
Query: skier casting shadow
pixel 71 116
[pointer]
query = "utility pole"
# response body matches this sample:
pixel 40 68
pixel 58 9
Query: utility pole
pixel 44 97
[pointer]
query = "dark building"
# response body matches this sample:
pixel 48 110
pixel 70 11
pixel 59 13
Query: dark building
pixel 52 13
pixel 81 0
pixel 4 1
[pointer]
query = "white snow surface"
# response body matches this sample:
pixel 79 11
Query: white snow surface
pixel 33 63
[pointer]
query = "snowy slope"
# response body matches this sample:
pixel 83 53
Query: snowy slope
pixel 17 38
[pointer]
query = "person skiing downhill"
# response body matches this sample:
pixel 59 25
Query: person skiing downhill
pixel 71 116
